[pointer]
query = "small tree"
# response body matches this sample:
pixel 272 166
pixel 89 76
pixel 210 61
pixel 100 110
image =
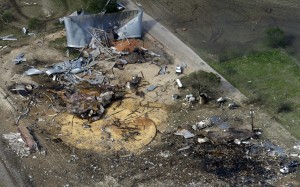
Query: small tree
pixel 202 82
pixel 275 38
pixel 7 17
pixel 34 23
pixel 95 6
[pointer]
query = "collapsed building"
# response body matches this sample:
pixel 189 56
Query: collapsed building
pixel 120 25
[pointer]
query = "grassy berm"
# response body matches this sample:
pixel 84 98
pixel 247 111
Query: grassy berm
pixel 271 79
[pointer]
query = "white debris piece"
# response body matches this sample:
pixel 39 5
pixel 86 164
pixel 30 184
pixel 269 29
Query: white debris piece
pixel 190 98
pixel 33 71
pixel 153 54
pixel 185 133
pixel 221 100
pixel 294 155
pixel 165 154
pixel 184 148
pixel 179 83
pixel 203 140
pixel 284 170
pixel 25 30
pixel 19 59
pixel 178 70
pixel 8 38
pixel 17 144
pixel 232 105
pixel 297 146
pixel 237 141
pixel 202 124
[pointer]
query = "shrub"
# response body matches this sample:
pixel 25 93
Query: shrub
pixel 96 6
pixel 35 23
pixel 59 43
pixel 7 17
pixel 283 107
pixel 202 82
pixel 275 38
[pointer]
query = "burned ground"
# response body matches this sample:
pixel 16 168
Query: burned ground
pixel 210 165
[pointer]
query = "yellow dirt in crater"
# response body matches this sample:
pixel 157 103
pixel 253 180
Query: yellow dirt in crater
pixel 127 125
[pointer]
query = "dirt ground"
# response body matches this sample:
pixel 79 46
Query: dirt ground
pixel 233 26
pixel 76 158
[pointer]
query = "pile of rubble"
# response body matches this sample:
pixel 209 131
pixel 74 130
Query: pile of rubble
pixel 105 48
pixel 84 89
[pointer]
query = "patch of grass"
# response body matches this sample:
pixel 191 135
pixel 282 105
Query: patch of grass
pixel 270 78
pixel 74 53
pixel 59 44
pixel 7 17
pixel 69 6
pixel 96 6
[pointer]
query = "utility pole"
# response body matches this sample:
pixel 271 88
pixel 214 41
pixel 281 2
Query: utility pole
pixel 252 116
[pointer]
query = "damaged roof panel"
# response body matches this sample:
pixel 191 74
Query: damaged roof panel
pixel 78 28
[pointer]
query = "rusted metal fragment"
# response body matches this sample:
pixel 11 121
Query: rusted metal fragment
pixel 27 138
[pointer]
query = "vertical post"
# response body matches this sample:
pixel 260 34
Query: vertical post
pixel 252 116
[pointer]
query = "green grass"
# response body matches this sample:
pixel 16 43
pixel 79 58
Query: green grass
pixel 59 44
pixel 272 79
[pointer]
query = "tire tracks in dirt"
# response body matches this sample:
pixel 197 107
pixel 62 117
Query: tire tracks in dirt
pixel 18 9
pixel 20 12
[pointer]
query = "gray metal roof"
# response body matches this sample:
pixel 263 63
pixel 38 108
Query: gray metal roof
pixel 127 24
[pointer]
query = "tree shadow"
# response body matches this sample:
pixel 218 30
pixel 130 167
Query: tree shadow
pixel 289 39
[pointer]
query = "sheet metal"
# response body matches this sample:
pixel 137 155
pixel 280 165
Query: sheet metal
pixel 127 24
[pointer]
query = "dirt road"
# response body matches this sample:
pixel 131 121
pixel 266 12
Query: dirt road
pixel 5 178
pixel 9 175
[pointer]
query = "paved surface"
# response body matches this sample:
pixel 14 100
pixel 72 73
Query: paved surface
pixel 182 52
pixel 9 176
pixel 5 177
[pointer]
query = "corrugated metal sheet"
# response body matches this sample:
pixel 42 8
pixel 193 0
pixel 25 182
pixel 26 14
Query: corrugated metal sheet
pixel 78 28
